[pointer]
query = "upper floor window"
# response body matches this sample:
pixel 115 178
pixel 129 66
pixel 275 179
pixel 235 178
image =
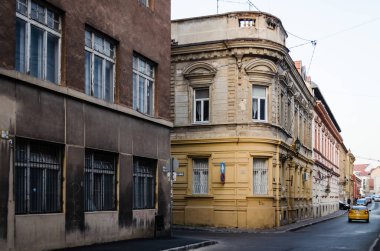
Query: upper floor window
pixel 143 85
pixel 99 181
pixel 38 40
pixel 200 176
pixel 144 180
pixel 99 66
pixel 38 168
pixel 201 105
pixel 144 2
pixel 259 103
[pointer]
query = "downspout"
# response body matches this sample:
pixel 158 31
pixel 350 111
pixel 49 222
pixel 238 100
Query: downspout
pixel 278 209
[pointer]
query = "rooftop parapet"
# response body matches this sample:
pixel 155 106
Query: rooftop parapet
pixel 228 26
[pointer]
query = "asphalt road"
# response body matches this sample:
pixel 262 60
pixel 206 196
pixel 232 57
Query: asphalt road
pixel 335 234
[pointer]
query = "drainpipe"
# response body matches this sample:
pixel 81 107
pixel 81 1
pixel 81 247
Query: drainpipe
pixel 278 209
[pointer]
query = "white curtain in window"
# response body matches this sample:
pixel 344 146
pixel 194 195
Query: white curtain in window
pixel 260 176
pixel 200 176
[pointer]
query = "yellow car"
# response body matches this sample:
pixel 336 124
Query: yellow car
pixel 358 213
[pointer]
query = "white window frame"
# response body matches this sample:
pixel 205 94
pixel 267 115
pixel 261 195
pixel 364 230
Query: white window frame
pixel 260 176
pixel 29 21
pixel 259 98
pixel 201 165
pixel 136 86
pixel 144 2
pixel 202 101
pixel 92 50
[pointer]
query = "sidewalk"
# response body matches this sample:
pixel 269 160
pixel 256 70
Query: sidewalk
pixel 180 243
pixel 286 228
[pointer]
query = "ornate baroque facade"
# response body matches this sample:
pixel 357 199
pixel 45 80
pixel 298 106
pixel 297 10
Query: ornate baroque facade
pixel 242 124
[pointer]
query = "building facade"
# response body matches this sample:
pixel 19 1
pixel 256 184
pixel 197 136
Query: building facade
pixel 84 120
pixel 242 123
pixel 329 154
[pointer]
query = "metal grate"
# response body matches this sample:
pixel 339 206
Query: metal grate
pixel 200 176
pixel 99 181
pixel 37 177
pixel 260 176
pixel 143 183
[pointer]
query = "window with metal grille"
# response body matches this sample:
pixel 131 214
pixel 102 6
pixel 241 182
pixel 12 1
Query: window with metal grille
pixel 99 181
pixel 200 176
pixel 38 168
pixel 143 85
pixel 144 177
pixel 38 40
pixel 260 176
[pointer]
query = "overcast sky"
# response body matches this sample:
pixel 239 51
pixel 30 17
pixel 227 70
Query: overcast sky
pixel 346 61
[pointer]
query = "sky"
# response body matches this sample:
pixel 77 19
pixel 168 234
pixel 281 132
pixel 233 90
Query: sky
pixel 345 63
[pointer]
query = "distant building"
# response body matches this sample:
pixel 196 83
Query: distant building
pixel 242 123
pixel 375 177
pixel 84 121
pixel 332 161
pixel 361 170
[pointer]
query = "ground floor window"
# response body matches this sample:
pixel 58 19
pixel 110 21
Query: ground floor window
pixel 38 167
pixel 99 181
pixel 144 180
pixel 200 176
pixel 260 176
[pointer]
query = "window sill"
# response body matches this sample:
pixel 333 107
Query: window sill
pixel 199 196
pixel 260 196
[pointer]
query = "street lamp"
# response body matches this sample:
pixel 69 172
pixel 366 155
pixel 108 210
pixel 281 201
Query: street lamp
pixel 297 145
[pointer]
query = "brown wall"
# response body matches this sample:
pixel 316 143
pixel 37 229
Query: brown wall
pixel 133 26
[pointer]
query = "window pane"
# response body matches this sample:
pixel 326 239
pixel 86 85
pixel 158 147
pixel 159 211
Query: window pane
pixel 109 81
pixel 52 20
pixel 143 183
pixel 22 7
pixel 255 108
pixel 52 58
pixel 135 90
pixel 98 77
pixel 259 91
pixel 36 51
pixel 198 111
pixel 38 12
pixel 202 93
pixel 262 109
pixel 20 45
pixel 36 190
pixel 205 110
pixel 98 44
pixel 88 39
pixel 141 105
pixel 88 73
pixel 149 108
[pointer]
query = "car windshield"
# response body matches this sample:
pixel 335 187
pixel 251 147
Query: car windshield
pixel 359 208
pixel 360 201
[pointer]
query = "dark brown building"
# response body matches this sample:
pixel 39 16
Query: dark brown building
pixel 84 121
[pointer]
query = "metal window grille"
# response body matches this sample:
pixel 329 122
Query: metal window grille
pixel 260 176
pixel 200 176
pixel 144 177
pixel 37 177
pixel 99 181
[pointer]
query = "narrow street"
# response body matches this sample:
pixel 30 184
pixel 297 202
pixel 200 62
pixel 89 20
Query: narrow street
pixel 335 234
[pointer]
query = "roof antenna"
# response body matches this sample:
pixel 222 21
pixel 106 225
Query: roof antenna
pixel 217 6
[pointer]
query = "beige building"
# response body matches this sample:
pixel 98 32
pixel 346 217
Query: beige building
pixel 242 123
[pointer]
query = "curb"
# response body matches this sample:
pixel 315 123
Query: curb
pixel 313 223
pixel 192 246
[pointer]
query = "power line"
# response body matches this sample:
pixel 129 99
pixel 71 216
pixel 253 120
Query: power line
pixel 251 4
pixel 299 36
pixel 314 43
